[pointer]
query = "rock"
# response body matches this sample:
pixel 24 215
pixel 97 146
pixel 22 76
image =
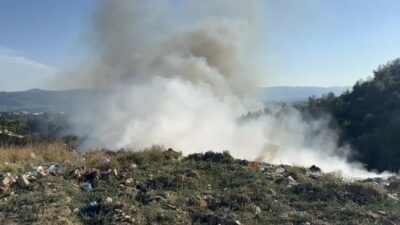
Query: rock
pixel 86 186
pixel 5 182
pixel 258 210
pixel 373 215
pixel 271 191
pixel 119 205
pixel 68 199
pixel 23 182
pixel 280 170
pixel 291 180
pixel 170 206
pixel 33 156
pixel 134 166
pixel 264 167
pixel 108 201
pixel 56 169
pixel 393 197
pixel 128 181
pixel 39 169
pixel 382 213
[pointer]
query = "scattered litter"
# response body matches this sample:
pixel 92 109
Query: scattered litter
pixel 315 169
pixel 86 186
pixel 23 182
pixel 56 169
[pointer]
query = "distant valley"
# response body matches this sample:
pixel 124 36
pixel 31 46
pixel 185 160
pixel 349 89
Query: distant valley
pixel 36 100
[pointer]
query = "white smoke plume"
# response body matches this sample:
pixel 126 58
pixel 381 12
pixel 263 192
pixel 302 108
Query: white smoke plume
pixel 176 74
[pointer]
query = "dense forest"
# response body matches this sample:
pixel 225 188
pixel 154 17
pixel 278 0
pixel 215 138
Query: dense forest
pixel 368 117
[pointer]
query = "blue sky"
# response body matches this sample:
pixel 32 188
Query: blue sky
pixel 307 42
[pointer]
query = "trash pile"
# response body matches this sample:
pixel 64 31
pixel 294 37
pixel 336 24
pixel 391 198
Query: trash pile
pixel 210 188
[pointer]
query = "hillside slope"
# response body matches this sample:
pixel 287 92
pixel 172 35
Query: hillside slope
pixel 369 117
pixel 59 186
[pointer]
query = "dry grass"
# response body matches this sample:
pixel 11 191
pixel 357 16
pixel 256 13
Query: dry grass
pixel 15 158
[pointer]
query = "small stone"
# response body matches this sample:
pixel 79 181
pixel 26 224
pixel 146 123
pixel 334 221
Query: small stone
pixel 39 169
pixel 119 205
pixel 291 180
pixel 393 197
pixel 127 217
pixel 271 191
pixel 75 210
pixel 237 222
pixel 134 166
pixel 279 170
pixel 108 201
pixel 170 206
pixel 33 155
pixel 382 213
pixel 258 210
pixel 128 181
pixel 373 215
pixel 5 182
pixel 23 182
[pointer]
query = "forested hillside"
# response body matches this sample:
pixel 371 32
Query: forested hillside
pixel 369 117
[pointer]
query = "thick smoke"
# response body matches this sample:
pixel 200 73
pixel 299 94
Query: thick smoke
pixel 178 73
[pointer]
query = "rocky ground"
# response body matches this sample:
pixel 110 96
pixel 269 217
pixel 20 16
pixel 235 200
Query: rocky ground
pixel 56 185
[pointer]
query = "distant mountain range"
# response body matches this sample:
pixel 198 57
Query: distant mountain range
pixel 36 100
pixel 295 94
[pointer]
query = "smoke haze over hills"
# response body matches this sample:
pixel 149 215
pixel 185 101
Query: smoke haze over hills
pixel 180 83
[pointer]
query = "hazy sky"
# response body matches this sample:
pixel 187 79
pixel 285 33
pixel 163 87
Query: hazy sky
pixel 306 42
